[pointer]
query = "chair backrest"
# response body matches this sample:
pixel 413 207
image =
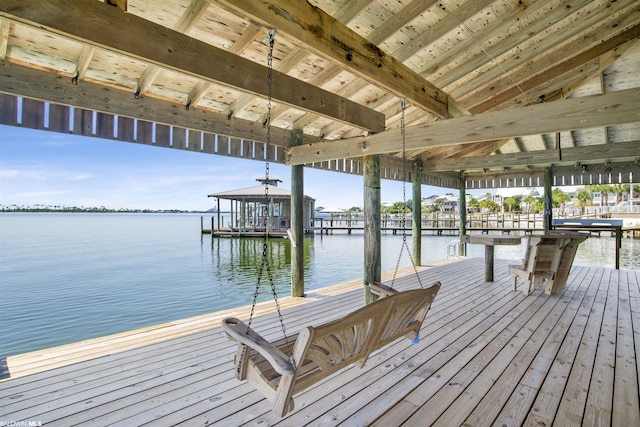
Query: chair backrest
pixel 351 339
pixel 546 252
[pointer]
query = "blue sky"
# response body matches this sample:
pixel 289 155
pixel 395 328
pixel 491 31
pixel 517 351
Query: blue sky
pixel 41 167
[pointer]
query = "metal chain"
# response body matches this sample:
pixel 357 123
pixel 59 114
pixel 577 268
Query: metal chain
pixel 264 265
pixel 403 222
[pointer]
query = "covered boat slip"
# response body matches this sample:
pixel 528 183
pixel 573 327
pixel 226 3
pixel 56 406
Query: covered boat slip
pixel 488 355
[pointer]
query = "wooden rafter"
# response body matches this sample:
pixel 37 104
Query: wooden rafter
pixel 578 113
pixel 4 36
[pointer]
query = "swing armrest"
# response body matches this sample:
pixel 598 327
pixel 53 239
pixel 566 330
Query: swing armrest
pixel 381 290
pixel 237 330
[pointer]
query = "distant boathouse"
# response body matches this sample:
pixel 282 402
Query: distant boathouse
pixel 252 213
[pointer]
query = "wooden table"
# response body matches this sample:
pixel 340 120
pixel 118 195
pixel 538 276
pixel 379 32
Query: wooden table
pixel 611 225
pixel 489 241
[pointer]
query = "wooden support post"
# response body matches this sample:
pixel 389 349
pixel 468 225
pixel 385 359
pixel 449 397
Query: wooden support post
pixel 548 202
pixel 488 263
pixel 462 226
pixel 372 234
pixel 297 221
pixel 218 215
pixel 416 209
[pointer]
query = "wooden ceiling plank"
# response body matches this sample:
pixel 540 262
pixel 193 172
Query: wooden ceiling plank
pixel 327 37
pixel 522 35
pixel 565 115
pixel 591 153
pixel 559 69
pixel 110 28
pixel 531 63
pixel 398 20
pixel 442 27
pixel 351 9
pixel 460 48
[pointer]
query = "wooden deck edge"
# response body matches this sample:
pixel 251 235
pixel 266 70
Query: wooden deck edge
pixel 49 358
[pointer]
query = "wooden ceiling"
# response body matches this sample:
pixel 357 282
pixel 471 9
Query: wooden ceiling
pixel 498 89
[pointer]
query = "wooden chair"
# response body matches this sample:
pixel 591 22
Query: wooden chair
pixel 566 260
pixel 323 350
pixel 547 258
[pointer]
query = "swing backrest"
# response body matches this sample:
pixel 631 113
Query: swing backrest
pixel 352 338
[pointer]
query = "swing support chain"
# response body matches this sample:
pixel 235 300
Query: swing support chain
pixel 403 221
pixel 264 265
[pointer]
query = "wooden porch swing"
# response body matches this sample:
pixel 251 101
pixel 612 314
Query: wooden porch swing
pixel 323 350
pixel 278 370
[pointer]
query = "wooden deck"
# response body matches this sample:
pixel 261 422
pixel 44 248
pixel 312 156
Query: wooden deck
pixel 488 356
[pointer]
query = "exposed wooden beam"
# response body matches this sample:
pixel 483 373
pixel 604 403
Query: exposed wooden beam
pixel 191 15
pixel 324 35
pixel 32 83
pixel 4 37
pixel 109 28
pixel 248 36
pixel 83 61
pixel 586 154
pixel 570 114
pixel 146 79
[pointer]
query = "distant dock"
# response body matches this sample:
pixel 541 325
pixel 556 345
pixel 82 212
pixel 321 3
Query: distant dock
pixel 438 225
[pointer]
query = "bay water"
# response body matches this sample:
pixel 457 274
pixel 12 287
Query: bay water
pixel 67 277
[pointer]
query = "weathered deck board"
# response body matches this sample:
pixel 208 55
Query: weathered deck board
pixel 487 355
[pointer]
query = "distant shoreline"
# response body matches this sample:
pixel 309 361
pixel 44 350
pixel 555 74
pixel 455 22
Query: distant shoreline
pixel 5 209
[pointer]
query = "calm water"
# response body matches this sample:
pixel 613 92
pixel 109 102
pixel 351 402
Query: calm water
pixel 69 277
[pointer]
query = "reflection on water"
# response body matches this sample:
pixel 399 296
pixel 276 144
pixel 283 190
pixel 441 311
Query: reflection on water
pixel 69 277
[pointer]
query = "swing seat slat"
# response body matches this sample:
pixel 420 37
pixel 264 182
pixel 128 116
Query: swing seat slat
pixel 323 350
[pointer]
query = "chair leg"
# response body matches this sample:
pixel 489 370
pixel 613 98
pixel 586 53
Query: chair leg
pixel 528 283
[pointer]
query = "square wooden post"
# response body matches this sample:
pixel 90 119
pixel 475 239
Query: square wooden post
pixel 372 232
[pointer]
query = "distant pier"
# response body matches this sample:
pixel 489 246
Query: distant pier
pixel 435 224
